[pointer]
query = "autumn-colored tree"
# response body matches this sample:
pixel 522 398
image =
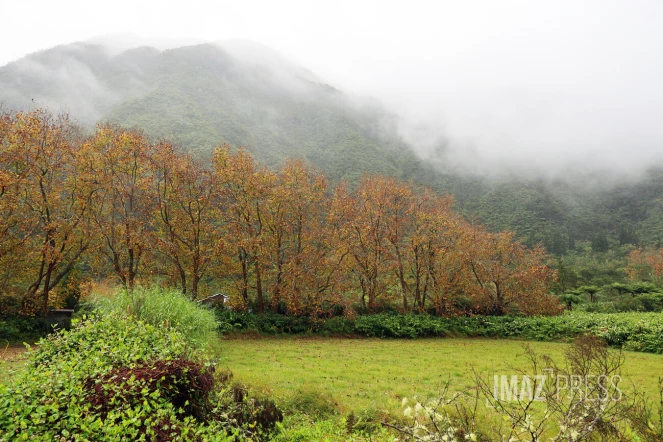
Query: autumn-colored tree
pixel 365 235
pixel 187 222
pixel 282 238
pixel 119 162
pixel 508 275
pixel 12 236
pixel 305 271
pixel 646 265
pixel 437 256
pixel 245 191
pixel 422 236
pixel 45 200
pixel 399 211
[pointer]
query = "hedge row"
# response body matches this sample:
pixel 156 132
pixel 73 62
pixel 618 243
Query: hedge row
pixel 19 329
pixel 632 331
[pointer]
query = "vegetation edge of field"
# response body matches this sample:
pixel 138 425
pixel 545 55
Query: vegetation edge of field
pixel 631 331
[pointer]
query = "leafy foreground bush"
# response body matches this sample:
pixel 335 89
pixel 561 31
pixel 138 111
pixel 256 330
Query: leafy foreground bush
pixel 115 378
pixel 163 306
pixel 631 331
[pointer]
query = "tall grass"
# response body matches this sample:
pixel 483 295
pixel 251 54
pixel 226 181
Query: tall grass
pixel 163 307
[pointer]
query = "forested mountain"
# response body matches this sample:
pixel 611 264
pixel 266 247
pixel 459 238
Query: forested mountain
pixel 559 214
pixel 202 96
pixel 245 94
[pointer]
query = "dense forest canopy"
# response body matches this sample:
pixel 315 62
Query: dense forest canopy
pixel 118 205
pixel 198 97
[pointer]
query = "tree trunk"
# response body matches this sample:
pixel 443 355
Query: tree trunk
pixel 182 273
pixel 261 301
pixel 245 276
pixel 401 278
pixel 194 285
pixel 44 293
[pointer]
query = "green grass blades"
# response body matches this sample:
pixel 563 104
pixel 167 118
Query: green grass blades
pixel 373 374
pixel 158 306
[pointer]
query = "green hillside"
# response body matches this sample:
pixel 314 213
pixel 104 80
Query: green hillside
pixel 204 95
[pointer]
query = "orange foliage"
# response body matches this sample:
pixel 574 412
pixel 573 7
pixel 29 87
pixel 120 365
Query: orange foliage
pixel 185 226
pixel 276 240
pixel 116 163
pixel 507 276
pixel 44 203
pixel 646 265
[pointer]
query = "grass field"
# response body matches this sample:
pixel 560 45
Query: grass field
pixel 369 377
pixel 376 374
pixel 360 374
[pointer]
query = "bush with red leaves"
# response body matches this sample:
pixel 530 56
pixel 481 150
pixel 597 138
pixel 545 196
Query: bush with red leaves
pixel 189 388
pixel 185 384
pixel 116 378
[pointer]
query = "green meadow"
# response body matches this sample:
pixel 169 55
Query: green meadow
pixel 321 382
pixel 375 374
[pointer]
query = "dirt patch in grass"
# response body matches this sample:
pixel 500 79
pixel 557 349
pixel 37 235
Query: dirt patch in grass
pixel 12 358
pixel 12 353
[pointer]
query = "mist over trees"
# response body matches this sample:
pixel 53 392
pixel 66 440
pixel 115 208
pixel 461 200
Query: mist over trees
pixel 117 205
pixel 200 96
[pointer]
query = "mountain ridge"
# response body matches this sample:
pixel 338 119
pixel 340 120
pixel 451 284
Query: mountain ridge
pixel 203 95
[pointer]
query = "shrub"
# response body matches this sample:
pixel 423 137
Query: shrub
pixel 118 378
pixel 185 384
pixel 17 329
pixel 651 302
pixel 633 331
pixel 50 398
pixel 258 413
pixel 273 323
pixel 170 307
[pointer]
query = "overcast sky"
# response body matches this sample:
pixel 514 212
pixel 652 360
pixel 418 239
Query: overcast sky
pixel 506 80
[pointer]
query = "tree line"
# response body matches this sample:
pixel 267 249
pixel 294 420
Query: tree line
pixel 119 205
